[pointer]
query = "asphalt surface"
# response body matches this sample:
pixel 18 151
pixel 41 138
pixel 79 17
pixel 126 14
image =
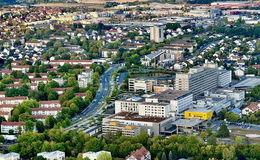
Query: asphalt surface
pixel 104 90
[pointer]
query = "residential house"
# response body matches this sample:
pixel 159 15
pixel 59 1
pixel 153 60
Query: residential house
pixel 139 154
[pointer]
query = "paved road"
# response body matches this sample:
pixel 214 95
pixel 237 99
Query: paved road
pixel 101 94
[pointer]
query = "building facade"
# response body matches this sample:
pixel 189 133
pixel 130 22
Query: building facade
pixel 157 34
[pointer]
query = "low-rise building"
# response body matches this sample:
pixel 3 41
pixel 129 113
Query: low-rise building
pixel 56 155
pixel 198 113
pixel 131 123
pixel 252 108
pixel 93 155
pixel 10 156
pixel 140 154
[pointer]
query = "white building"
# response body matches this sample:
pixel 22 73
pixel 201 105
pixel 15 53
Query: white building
pixel 163 104
pixel 10 156
pixel 157 34
pixel 15 126
pixel 50 104
pixel 56 155
pixel 22 68
pixel 93 155
pixel 84 78
pixel 46 111
pixel 252 108
pixel 12 100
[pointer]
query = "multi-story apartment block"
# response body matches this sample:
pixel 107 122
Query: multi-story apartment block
pixel 197 80
pixel 17 127
pixel 56 155
pixel 85 78
pixel 137 84
pixel 12 100
pixel 46 111
pixel 50 104
pixel 157 34
pixel 22 68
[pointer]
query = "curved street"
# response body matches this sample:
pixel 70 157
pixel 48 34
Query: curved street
pixel 104 90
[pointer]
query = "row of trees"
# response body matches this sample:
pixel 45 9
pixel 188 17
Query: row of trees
pixel 172 148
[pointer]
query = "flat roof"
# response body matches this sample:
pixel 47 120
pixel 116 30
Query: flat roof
pixel 135 117
pixel 202 110
pixel 187 122
pixel 170 95
pixel 248 82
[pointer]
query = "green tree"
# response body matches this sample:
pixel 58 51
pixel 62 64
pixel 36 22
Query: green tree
pixel 93 145
pixel 104 156
pixel 164 157
pixel 212 140
pixel 29 126
pixel 40 126
pixel 2 139
pixel 50 121
pixel 223 131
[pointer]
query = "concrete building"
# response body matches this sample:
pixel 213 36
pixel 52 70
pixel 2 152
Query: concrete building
pixel 147 84
pixel 56 155
pixel 12 100
pixel 10 156
pixel 157 34
pixel 224 78
pixel 84 78
pixel 197 80
pixel 132 123
pixel 93 155
pixel 163 104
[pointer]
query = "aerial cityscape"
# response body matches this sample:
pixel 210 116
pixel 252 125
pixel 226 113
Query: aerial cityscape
pixel 129 80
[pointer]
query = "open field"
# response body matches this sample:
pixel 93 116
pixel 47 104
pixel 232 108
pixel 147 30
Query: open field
pixel 104 1
pixel 243 132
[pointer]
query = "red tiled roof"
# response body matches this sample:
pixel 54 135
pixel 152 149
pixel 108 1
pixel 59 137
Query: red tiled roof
pixel 21 66
pixel 70 61
pixel 2 92
pixel 7 105
pixel 39 116
pixel 257 66
pixel 254 106
pixel 61 89
pixel 47 109
pixel 139 153
pixel 6 71
pixel 4 113
pixel 50 102
pixel 13 98
pixel 12 123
